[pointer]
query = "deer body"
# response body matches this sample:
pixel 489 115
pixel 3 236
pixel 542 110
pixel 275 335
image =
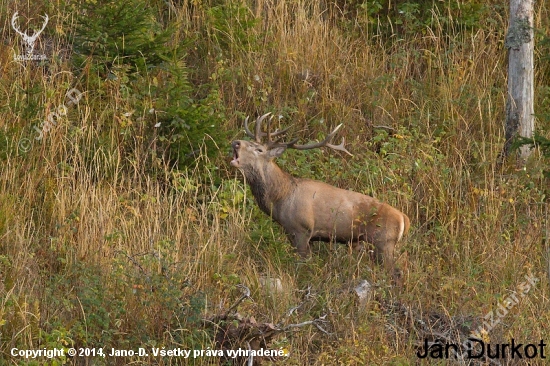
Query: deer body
pixel 312 210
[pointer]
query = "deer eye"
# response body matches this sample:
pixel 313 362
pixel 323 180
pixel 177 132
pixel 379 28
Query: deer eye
pixel 260 150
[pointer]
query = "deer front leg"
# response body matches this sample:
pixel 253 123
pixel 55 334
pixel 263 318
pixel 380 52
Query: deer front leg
pixel 384 253
pixel 300 241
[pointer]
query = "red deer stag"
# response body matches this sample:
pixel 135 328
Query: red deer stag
pixel 312 210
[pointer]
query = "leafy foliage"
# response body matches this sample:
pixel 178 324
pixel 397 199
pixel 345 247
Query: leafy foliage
pixel 123 43
pixel 231 24
pixel 416 17
pixel 539 141
pixel 119 32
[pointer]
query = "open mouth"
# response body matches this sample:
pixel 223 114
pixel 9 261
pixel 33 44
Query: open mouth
pixel 235 161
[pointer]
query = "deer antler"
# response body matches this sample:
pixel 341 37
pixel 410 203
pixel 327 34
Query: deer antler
pixel 325 142
pixel 258 134
pixel 28 39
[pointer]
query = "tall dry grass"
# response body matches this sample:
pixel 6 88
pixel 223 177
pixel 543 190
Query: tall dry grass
pixel 95 251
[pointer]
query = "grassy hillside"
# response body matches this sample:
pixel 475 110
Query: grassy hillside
pixel 122 224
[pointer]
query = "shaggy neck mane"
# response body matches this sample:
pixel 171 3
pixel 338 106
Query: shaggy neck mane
pixel 269 185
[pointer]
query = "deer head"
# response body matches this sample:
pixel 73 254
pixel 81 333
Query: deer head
pixel 29 40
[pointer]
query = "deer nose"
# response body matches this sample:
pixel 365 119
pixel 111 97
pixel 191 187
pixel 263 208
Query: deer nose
pixel 236 144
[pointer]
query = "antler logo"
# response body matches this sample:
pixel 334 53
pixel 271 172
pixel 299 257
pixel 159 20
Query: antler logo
pixel 29 40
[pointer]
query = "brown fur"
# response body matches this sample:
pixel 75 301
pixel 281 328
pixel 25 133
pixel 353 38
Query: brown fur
pixel 312 210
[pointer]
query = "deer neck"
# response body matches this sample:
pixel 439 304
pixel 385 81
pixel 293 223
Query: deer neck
pixel 269 185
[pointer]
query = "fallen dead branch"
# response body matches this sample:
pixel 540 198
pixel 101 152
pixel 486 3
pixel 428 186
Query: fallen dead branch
pixel 234 331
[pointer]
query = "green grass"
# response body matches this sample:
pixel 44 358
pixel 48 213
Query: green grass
pixel 105 241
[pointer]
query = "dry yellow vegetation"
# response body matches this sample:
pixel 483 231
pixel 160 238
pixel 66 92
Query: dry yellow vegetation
pixel 105 243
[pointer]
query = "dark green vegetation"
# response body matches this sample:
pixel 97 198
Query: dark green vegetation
pixel 125 226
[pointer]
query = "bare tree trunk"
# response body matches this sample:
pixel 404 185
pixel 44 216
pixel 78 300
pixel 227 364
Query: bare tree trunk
pixel 519 104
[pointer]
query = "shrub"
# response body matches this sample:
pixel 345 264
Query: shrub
pixel 125 31
pixel 122 44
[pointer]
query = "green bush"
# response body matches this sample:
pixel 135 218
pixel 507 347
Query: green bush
pixel 123 45
pixel 119 31
pixel 413 17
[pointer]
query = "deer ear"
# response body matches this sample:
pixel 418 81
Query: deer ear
pixel 276 151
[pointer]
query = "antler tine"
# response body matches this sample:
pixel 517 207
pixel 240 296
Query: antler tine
pixel 269 129
pixel 258 133
pixel 14 23
pixel 273 134
pixel 325 142
pixel 340 147
pixel 247 130
pixel 277 133
pixel 278 142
